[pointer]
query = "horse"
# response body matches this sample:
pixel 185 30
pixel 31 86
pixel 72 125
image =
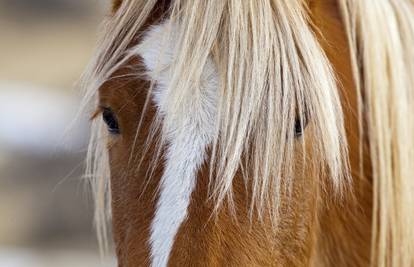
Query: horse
pixel 254 133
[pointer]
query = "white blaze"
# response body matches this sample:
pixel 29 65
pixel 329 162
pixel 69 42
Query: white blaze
pixel 187 136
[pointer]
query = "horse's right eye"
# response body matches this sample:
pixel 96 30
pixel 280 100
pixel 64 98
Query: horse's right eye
pixel 300 124
pixel 111 121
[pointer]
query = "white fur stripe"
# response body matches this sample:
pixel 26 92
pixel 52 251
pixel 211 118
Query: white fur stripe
pixel 187 135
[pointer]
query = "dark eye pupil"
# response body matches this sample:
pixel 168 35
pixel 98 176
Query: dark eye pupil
pixel 110 120
pixel 300 125
pixel 298 128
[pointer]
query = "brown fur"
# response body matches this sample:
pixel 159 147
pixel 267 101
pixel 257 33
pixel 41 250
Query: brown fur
pixel 314 229
pixel 131 216
pixel 344 232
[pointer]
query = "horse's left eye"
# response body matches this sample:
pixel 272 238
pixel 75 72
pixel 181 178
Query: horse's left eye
pixel 111 121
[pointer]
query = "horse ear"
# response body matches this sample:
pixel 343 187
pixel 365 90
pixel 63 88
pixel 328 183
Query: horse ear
pixel 161 9
pixel 115 5
pixel 162 5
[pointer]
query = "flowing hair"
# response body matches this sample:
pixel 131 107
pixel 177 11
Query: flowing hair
pixel 381 37
pixel 273 73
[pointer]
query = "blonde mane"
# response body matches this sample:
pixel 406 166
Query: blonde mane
pixel 272 73
pixel 381 36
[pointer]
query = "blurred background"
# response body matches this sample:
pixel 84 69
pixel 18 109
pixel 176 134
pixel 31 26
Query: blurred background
pixel 45 210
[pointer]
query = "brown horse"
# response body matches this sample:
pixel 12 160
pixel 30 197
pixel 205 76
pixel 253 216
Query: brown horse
pixel 255 133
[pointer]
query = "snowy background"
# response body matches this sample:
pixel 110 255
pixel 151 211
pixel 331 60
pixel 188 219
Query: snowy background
pixel 45 208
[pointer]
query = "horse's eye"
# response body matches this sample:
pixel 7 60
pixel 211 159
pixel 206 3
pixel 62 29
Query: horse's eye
pixel 300 125
pixel 111 121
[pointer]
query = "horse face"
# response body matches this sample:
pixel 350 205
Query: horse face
pixel 135 197
pixel 200 239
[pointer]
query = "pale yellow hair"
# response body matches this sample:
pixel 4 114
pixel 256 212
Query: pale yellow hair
pixel 381 35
